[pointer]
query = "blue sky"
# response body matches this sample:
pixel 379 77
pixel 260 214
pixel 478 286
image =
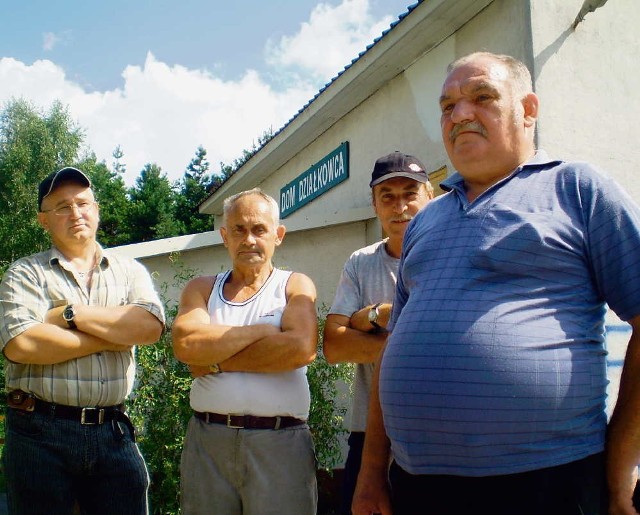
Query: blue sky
pixel 159 78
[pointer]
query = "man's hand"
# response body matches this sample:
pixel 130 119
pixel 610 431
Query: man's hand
pixel 623 433
pixel 371 496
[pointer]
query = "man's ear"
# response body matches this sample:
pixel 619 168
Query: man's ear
pixel 530 103
pixel 43 220
pixel 223 233
pixel 280 232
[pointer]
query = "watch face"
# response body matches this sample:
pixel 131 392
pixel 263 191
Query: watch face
pixel 68 313
pixel 373 314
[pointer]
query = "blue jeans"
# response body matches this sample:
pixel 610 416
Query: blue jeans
pixel 53 463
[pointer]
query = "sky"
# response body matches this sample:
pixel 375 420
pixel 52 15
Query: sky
pixel 160 78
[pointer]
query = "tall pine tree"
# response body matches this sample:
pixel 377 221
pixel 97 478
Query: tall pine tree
pixel 193 190
pixel 152 214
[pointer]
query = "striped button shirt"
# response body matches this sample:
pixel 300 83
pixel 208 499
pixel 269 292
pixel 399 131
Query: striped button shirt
pixel 35 284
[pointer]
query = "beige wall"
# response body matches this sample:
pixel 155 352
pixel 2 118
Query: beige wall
pixel 588 82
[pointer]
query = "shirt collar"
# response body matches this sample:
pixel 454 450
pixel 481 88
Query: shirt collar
pixel 55 256
pixel 456 181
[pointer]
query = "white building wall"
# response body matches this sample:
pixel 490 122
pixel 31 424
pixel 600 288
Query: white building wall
pixel 588 81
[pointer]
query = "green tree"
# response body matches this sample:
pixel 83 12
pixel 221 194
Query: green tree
pixel 227 171
pixel 152 214
pixel 111 193
pixel 32 145
pixel 193 190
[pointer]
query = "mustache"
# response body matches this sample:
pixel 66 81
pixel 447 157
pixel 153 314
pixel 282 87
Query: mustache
pixel 467 127
pixel 401 218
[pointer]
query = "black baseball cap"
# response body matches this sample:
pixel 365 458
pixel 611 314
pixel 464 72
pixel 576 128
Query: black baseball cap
pixel 52 181
pixel 398 164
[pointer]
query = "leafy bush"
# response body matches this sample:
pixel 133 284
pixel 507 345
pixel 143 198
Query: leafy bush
pixel 160 406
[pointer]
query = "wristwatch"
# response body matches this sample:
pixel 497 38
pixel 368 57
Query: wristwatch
pixel 215 368
pixel 69 314
pixel 374 313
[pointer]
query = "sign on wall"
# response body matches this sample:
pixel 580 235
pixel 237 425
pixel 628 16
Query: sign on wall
pixel 330 171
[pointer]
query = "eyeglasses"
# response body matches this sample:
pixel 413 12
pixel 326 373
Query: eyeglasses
pixel 82 207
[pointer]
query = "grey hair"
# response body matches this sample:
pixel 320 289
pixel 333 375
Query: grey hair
pixel 518 71
pixel 229 202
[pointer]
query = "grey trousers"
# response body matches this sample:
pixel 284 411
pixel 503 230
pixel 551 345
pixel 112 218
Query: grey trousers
pixel 227 471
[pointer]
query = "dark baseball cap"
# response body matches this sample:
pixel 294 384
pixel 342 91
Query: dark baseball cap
pixel 51 181
pixel 398 164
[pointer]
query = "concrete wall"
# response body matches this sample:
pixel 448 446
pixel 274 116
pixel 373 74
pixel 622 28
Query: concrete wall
pixel 588 81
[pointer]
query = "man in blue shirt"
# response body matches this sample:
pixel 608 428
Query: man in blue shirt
pixel 492 383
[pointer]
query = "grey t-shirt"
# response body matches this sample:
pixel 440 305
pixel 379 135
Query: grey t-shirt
pixel 369 276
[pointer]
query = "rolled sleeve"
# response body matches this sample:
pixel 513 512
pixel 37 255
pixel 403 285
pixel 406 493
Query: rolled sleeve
pixel 143 294
pixel 22 302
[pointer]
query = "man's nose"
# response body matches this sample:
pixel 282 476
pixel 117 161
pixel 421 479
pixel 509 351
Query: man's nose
pixel 462 112
pixel 76 212
pixel 399 206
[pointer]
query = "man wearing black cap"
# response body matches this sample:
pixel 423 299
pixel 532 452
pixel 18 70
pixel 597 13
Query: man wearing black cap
pixel 356 325
pixel 71 318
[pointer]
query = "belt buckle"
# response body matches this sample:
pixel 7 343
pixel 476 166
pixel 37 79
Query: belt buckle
pixel 231 426
pixel 83 416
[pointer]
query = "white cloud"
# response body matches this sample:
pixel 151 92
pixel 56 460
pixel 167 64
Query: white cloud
pixel 329 40
pixel 163 113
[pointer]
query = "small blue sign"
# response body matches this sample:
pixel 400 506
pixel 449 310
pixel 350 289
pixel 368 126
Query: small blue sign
pixel 330 171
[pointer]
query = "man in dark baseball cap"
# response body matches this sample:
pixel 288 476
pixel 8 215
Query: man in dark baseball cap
pixel 72 316
pixel 398 164
pixel 356 325
pixel 54 179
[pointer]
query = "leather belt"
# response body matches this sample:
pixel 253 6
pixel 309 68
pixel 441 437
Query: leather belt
pixel 87 416
pixel 249 421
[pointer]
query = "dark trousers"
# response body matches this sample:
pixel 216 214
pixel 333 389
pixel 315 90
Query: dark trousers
pixel 51 463
pixel 351 470
pixel 576 488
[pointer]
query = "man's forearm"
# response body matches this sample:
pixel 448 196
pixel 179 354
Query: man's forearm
pixel 47 344
pixel 623 436
pixel 121 325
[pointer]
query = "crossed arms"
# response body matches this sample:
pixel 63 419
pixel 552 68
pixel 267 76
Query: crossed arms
pixel 250 348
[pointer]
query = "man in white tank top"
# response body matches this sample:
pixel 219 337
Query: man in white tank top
pixel 248 335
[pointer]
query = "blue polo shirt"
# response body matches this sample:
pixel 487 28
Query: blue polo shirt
pixel 496 360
